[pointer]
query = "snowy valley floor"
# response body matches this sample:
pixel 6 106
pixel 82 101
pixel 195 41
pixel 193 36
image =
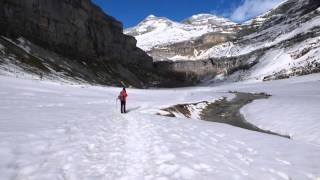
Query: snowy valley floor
pixel 52 131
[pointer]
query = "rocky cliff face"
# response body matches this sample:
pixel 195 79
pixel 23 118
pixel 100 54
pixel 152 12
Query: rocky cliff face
pixel 80 32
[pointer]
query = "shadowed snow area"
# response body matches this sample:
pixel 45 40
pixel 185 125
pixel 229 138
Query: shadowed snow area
pixel 59 131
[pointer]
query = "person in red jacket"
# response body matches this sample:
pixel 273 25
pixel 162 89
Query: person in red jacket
pixel 123 98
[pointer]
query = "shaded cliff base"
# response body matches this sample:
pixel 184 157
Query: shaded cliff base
pixel 70 40
pixel 21 58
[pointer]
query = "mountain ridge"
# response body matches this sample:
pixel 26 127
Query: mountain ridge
pixel 154 30
pixel 278 44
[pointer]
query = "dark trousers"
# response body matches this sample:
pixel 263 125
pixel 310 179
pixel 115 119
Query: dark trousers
pixel 123 106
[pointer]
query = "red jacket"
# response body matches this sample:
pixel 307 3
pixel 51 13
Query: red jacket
pixel 123 95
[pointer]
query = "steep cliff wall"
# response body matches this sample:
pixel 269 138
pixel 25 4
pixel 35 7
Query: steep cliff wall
pixel 79 31
pixel 196 71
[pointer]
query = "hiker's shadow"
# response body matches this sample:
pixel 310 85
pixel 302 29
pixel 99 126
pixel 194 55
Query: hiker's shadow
pixel 133 109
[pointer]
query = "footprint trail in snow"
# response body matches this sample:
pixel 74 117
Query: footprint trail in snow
pixel 80 136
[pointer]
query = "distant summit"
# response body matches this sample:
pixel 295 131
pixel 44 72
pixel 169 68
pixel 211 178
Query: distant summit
pixel 204 19
pixel 151 16
pixel 154 30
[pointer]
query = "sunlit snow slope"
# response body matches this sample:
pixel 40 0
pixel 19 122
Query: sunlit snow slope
pixel 154 31
pixel 58 131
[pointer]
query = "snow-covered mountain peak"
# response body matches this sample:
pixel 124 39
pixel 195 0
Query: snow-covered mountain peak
pixel 151 17
pixel 205 19
pixel 149 24
pixel 153 30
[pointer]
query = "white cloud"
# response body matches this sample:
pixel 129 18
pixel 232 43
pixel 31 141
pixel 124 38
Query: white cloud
pixel 252 8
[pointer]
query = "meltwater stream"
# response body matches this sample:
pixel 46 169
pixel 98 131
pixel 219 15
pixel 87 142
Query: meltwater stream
pixel 224 111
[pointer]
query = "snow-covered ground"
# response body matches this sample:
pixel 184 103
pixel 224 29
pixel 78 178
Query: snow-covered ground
pixel 293 108
pixel 58 131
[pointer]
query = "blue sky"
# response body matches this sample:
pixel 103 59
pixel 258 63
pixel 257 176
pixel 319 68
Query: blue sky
pixel 131 12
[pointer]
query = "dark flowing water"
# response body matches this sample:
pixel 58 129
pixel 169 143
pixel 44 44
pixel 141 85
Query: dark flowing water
pixel 223 111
